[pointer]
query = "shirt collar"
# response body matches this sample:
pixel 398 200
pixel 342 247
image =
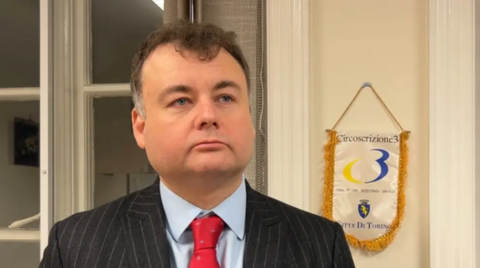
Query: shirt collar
pixel 181 213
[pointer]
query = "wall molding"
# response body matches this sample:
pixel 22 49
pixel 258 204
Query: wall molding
pixel 452 133
pixel 288 101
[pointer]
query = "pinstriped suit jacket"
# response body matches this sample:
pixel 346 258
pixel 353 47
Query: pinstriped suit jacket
pixel 130 232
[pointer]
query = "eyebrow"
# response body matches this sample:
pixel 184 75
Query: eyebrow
pixel 174 89
pixel 187 89
pixel 226 83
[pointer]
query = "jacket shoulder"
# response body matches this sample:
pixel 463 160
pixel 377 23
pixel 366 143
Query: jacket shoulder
pixel 104 218
pixel 306 225
pixel 313 235
pixel 289 210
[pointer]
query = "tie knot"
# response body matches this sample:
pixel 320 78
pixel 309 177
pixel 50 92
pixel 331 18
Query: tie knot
pixel 206 232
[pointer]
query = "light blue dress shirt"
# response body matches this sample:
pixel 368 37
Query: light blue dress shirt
pixel 181 213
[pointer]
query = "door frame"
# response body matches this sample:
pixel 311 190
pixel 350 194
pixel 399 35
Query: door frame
pixel 46 122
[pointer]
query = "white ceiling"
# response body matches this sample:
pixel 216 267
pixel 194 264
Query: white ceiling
pixel 118 27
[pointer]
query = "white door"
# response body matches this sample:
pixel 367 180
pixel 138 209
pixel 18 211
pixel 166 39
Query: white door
pixel 25 136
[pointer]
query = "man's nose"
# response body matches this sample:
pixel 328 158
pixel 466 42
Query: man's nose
pixel 207 115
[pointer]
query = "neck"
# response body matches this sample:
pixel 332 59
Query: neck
pixel 204 193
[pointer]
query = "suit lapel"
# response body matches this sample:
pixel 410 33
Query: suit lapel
pixel 266 233
pixel 144 230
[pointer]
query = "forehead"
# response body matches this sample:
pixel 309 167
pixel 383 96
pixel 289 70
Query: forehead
pixel 166 63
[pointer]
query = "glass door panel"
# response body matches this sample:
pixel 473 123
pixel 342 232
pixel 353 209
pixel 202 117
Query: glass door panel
pixel 19 184
pixel 118 27
pixel 20 240
pixel 121 167
pixel 19 43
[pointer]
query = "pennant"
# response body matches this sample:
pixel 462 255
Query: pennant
pixel 365 175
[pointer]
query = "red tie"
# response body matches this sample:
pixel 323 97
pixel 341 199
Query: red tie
pixel 206 232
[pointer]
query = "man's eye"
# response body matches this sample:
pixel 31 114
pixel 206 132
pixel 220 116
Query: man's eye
pixel 181 101
pixel 225 99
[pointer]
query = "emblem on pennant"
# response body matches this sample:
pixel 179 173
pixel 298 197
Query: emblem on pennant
pixel 363 208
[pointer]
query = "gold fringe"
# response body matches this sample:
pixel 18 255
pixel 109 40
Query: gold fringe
pixel 329 157
pixel 385 240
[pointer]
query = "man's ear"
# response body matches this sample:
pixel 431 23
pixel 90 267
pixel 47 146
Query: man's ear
pixel 132 107
pixel 138 127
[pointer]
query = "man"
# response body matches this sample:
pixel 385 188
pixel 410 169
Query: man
pixel 192 116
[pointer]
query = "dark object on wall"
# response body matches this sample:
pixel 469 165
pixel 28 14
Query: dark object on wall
pixel 26 139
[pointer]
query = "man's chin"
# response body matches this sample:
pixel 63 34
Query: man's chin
pixel 212 169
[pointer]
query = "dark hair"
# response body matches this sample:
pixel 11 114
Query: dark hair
pixel 204 39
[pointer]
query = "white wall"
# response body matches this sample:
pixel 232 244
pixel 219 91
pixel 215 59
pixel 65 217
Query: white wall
pixel 385 43
pixel 19 187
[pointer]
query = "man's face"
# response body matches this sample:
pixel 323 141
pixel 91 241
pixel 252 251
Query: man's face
pixel 197 115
